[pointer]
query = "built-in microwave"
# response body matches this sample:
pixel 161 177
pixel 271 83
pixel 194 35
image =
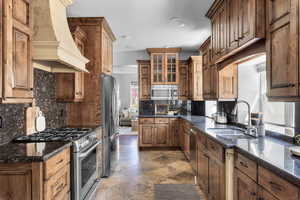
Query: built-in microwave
pixel 164 92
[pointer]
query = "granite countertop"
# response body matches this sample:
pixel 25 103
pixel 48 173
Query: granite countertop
pixel 269 152
pixel 30 152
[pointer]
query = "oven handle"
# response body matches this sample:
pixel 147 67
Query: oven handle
pixel 85 153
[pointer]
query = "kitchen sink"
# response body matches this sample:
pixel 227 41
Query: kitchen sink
pixel 230 133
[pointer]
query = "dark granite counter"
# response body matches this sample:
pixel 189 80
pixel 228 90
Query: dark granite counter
pixel 30 152
pixel 267 151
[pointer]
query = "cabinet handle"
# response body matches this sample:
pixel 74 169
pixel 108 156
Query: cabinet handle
pixel 243 164
pixel 253 193
pixel 275 186
pixel 58 162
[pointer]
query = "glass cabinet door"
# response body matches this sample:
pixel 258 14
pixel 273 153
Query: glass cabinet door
pixel 157 61
pixel 171 63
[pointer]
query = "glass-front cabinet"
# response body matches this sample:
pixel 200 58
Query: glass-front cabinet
pixel 164 67
pixel 172 68
pixel 157 68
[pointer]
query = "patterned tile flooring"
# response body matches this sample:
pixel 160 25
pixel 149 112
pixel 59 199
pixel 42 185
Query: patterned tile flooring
pixel 136 172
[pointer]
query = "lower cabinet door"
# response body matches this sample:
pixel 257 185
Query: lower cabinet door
pixel 161 134
pixel 146 135
pixel 16 185
pixel 173 133
pixel 202 176
pixel 244 187
pixel 216 181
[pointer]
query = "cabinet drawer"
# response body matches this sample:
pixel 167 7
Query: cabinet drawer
pixel 146 120
pixel 161 120
pixel 247 166
pixel 277 186
pixel 58 186
pixel 214 149
pixel 55 163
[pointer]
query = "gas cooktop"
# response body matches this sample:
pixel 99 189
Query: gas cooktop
pixel 54 135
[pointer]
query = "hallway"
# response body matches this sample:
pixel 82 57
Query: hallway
pixel 136 172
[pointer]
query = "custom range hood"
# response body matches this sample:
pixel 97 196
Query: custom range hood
pixel 53 45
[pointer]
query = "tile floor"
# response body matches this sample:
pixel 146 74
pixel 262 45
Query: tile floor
pixel 135 173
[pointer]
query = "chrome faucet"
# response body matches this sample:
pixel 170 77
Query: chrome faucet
pixel 250 130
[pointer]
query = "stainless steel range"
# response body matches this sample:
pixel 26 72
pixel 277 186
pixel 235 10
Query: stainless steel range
pixel 84 158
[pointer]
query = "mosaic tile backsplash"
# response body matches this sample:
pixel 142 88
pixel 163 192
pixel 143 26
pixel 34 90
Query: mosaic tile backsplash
pixel 13 115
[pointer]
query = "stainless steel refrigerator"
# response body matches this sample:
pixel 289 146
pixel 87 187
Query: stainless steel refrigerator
pixel 110 122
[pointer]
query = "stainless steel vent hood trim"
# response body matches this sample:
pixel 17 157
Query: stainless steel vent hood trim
pixel 53 44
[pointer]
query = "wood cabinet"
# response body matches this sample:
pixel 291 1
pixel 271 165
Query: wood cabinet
pixel 16 55
pixel 146 135
pixel 161 134
pixel 70 86
pixel 88 113
pixel 196 78
pixel 158 132
pixel 174 132
pixel 245 187
pixel 164 65
pixel 38 180
pixel 211 168
pixel 144 79
pixel 228 80
pixel 107 52
pixel 216 180
pixel 282 49
pixel 183 80
pixel 209 71
pixel 99 46
pixel 252 181
pixel 235 24
pixel 202 163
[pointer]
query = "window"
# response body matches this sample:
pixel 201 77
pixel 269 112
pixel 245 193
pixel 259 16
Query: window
pixel 278 116
pixel 134 97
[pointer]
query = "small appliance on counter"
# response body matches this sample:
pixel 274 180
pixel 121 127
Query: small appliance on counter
pixel 220 117
pixel 161 109
pixel 258 123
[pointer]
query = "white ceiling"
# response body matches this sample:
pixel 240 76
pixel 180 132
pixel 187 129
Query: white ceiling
pixel 150 23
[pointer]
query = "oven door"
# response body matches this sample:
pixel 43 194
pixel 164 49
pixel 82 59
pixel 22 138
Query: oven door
pixel 85 173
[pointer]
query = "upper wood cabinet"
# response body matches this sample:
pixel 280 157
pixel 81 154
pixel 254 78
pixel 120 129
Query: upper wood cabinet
pixel 16 54
pixel 99 46
pixel 196 78
pixel 88 112
pixel 70 86
pixel 183 80
pixel 144 79
pixel 236 24
pixel 210 72
pixel 228 80
pixel 283 49
pixel 164 65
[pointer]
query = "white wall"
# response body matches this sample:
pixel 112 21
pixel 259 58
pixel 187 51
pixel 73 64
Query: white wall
pixel 124 81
